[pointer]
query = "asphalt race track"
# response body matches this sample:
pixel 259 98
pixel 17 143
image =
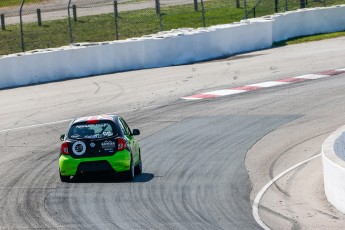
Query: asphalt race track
pixel 204 161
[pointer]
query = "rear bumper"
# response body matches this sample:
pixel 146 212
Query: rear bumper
pixel 119 162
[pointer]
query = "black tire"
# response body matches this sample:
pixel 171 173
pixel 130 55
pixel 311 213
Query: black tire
pixel 139 167
pixel 65 178
pixel 130 174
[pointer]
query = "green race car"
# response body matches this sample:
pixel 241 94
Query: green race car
pixel 98 144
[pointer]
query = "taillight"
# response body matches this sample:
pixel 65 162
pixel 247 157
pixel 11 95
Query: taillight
pixel 64 148
pixel 121 144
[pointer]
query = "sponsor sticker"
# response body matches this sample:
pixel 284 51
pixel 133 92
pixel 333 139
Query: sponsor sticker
pixel 108 145
pixel 108 133
pixel 79 148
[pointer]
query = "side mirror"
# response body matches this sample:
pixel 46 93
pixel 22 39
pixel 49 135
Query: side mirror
pixel 62 137
pixel 136 132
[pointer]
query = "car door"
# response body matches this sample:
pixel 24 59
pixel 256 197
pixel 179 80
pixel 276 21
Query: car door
pixel 132 141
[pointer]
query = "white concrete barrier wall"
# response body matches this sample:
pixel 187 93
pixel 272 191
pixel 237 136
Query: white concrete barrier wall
pixel 307 22
pixel 174 47
pixel 333 160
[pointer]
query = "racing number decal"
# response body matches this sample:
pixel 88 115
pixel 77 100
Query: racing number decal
pixel 79 148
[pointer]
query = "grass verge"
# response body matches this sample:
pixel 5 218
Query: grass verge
pixel 311 38
pixel 5 3
pixel 134 23
pixel 99 28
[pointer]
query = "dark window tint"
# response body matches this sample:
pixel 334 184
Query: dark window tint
pixel 125 127
pixel 102 129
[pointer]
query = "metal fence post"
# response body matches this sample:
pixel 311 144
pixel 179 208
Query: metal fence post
pixel 3 27
pixel 39 18
pixel 158 12
pixel 21 26
pixel 196 7
pixel 160 22
pixel 203 13
pixel 158 7
pixel 74 7
pixel 302 4
pixel 116 18
pixel 69 23
pixel 245 9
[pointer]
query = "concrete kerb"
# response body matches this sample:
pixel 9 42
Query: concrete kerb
pixel 333 160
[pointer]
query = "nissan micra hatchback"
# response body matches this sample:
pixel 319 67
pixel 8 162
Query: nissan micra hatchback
pixel 99 144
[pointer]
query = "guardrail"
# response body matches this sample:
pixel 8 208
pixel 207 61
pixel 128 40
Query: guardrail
pixel 333 160
pixel 174 47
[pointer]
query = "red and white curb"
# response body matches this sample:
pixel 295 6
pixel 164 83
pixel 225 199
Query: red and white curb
pixel 267 84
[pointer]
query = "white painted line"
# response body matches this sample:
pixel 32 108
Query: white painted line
pixel 225 92
pixel 340 69
pixel 312 76
pixel 258 197
pixel 191 98
pixel 62 121
pixel 268 84
pixel 35 126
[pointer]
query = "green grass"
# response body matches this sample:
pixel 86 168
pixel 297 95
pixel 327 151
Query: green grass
pixel 102 27
pixel 4 3
pixel 131 24
pixel 311 38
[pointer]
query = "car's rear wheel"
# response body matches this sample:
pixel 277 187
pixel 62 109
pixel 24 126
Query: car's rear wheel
pixel 139 167
pixel 130 174
pixel 65 178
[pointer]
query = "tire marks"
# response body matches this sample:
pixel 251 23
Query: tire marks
pixel 23 191
pixel 199 180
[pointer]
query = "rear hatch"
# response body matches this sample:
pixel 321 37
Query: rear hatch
pixel 93 140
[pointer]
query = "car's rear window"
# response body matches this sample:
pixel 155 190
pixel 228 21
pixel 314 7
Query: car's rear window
pixel 102 129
